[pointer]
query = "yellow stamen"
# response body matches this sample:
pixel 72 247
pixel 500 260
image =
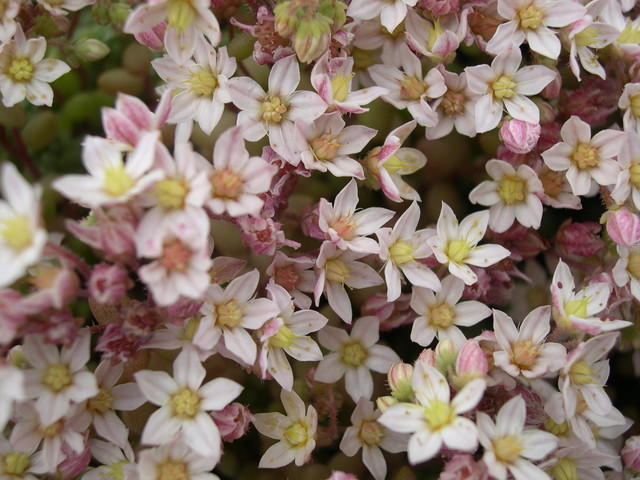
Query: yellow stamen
pixel 340 86
pixel 117 181
pixel 283 338
pixel 274 109
pixel 402 252
pixel 581 373
pixel 512 190
pixel 442 316
pixel 438 414
pixel 633 265
pixel 181 14
pixel 354 354
pixel 204 83
pixel 16 233
pixel 185 403
pixel 585 156
pixel 371 433
pixel 457 251
pixel 412 88
pixel 172 470
pixel 507 449
pixel 524 354
pixel 21 69
pixel 226 184
pixel 228 315
pixel 15 463
pixel 503 87
pixel 170 193
pixel 297 434
pixel 337 270
pixel 530 17
pixel 57 377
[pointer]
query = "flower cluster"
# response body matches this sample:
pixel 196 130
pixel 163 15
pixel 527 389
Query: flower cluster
pixel 298 234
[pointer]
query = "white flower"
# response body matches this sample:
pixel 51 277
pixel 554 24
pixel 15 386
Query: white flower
pixel 371 436
pixel 504 85
pixel 626 271
pixel 184 403
pixel 392 12
pixel 18 464
pixel 628 181
pixel 21 236
pixel 353 356
pixel 435 420
pixel 58 379
pixel 296 432
pixel 630 103
pixel 174 461
pixel 440 314
pixel 585 159
pixel 456 245
pixel 24 72
pixel 512 195
pixel 508 446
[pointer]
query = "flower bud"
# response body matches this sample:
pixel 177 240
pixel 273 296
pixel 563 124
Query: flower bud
pixel 579 238
pixel 623 227
pixel 91 50
pixel 518 136
pixel 286 17
pixel 446 353
pixel 471 361
pixel 108 284
pixel 40 130
pixel 385 402
pixel 399 379
pixel 631 453
pixel 118 13
pixel 233 421
pixel 428 357
pixel 312 38
pixel 153 38
pixel 440 7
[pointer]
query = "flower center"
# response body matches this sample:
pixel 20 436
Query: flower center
pixel 21 69
pixel 565 469
pixel 503 87
pixel 630 34
pixel 296 434
pixel 170 193
pixel 287 277
pixel 633 265
pixel 507 449
pixel 457 251
pixel 634 175
pixel 588 36
pixel 634 101
pixel 585 156
pixel 203 83
pixel 442 316
pixel 453 103
pixel 175 256
pixel 53 430
pixel 512 190
pixel 558 429
pixel 524 354
pixel 340 86
pixel 345 228
pixel 530 17
pixel 283 338
pixel 117 181
pixel 438 414
pixel 16 233
pixel 577 308
pixel 226 184
pixel 581 373
pixel 15 463
pixel 412 88
pixel 181 14
pixel 185 403
pixel 173 470
pixel 274 109
pixel 354 354
pixel 337 270
pixel 228 315
pixel 402 252
pixel 371 433
pixel 325 147
pixel 101 402
pixel 57 377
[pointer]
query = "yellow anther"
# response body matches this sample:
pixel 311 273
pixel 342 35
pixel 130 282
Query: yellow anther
pixel 402 252
pixel 325 147
pixel 117 181
pixel 438 414
pixel 274 109
pixel 507 449
pixel 337 270
pixel 442 315
pixel 226 184
pixel 228 314
pixel 577 308
pixel 172 470
pixel 371 433
pixel 340 86
pixel 102 402
pixel 57 377
pixel 203 83
pixel 185 403
pixel 170 193
pixel 565 469
pixel 585 156
pixel 457 251
pixel 453 103
pixel 283 338
pixel 581 373
pixel 524 354
pixel 503 87
pixel 297 434
pixel 181 14
pixel 21 69
pixel 354 354
pixel 15 463
pixel 634 176
pixel 530 17
pixel 412 88
pixel 512 190
pixel 16 233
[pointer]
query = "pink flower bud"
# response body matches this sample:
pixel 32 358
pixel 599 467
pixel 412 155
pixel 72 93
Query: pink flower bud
pixel 109 283
pixel 342 476
pixel 631 453
pixel 385 402
pixel 520 137
pixel 232 421
pixel 440 7
pixel 464 467
pixel 154 37
pixel 446 353
pixel 579 238
pixel 623 227
pixel 471 361
pixel 428 357
pixel 399 379
pixel 74 464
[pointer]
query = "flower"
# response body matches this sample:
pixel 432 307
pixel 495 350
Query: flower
pixel 174 461
pixel 456 245
pixel 435 420
pixel 372 437
pixel 353 356
pixel 512 195
pixel 628 182
pixel 296 432
pixel 22 237
pixel 401 248
pixel 184 403
pixel 504 85
pixel 24 72
pixel 440 314
pixel 585 159
pixel 508 446
pixel 392 12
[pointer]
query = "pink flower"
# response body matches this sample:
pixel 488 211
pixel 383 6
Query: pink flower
pixel 232 421
pixel 464 467
pixel 580 239
pixel 631 453
pixel 520 137
pixel 109 283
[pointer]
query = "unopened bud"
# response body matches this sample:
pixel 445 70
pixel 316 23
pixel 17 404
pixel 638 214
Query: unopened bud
pixel 427 357
pixel 623 227
pixel 100 13
pixel 579 238
pixel 385 402
pixel 631 453
pixel 109 283
pixel 446 353
pixel 399 379
pixel 312 38
pixel 40 130
pixel 286 18
pixel 118 14
pixel 91 50
pixel 233 421
pixel 470 364
pixel 518 136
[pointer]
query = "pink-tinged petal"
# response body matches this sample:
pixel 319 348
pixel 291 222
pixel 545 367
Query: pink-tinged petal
pixel 160 426
pixel 470 395
pixel 486 255
pixel 157 387
pixel 506 34
pixel 188 370
pixel 608 142
pixel 202 436
pixel 238 341
pixel 358 383
pixel 258 312
pixel 522 108
pixel 532 79
pixel 331 369
pixel 579 180
pixel 381 358
pixel 305 106
pixel 218 393
pixel 277 455
pixel 109 426
pixel 339 301
pixel 511 417
pixel 52 407
pixel 471 312
pixel 575 131
pixel 544 41
pixel 333 338
pixel 479 77
pixel 488 113
pixel 141 159
pixel 285 76
pixel 229 150
pixel 245 93
pixel 145 17
pixel 304 322
pixel 461 435
pixel 423 446
pixel 38 353
pixel 561 14
pixel 127 396
pixel 366 331
pixel 557 157
pixel 523 470
pixel 507 62
pixel 84 386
